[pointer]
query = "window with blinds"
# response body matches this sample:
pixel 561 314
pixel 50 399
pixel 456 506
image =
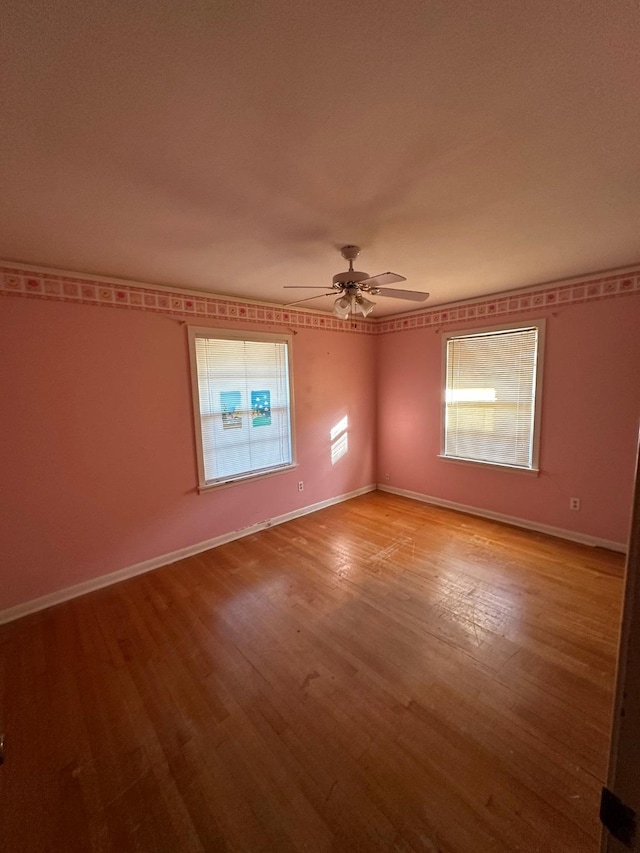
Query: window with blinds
pixel 242 404
pixel 492 396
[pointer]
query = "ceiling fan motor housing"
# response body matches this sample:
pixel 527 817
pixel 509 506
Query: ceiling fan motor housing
pixel 342 279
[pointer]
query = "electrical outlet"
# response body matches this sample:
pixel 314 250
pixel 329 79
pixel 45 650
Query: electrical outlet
pixel 300 485
pixel 387 477
pixel 574 503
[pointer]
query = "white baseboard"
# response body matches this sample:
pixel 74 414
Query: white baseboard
pixel 36 604
pixel 571 535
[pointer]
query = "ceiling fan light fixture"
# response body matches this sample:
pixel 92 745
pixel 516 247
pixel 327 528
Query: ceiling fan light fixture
pixel 364 306
pixel 342 307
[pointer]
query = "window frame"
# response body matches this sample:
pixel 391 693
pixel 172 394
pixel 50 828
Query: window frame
pixel 194 332
pixel 540 326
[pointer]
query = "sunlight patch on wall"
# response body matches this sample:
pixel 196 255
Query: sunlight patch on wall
pixel 339 440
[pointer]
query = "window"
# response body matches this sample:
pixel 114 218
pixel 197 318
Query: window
pixel 492 395
pixel 242 404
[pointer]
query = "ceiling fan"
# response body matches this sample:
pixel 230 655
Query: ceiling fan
pixel 351 286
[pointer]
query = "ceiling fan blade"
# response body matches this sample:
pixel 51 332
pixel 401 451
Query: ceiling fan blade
pixel 413 295
pixel 304 286
pixel 381 278
pixel 307 298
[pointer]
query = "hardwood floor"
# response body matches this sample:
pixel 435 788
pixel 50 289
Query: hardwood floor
pixel 381 675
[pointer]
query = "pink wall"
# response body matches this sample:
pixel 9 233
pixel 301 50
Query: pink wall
pixel 97 454
pixel 98 460
pixel 590 418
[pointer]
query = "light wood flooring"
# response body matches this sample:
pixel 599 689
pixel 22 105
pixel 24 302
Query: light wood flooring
pixel 378 676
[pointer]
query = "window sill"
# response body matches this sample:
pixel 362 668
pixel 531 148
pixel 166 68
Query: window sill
pixel 244 478
pixel 534 472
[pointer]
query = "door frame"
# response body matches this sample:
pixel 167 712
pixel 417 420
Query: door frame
pixel 623 778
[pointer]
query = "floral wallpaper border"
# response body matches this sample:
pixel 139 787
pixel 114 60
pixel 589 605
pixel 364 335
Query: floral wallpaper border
pixel 500 305
pixel 66 288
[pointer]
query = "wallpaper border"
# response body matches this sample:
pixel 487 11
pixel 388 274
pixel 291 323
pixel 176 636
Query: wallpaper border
pixel 22 281
pixel 551 296
pixel 62 287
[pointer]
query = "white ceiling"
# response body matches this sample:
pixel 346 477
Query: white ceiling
pixel 232 146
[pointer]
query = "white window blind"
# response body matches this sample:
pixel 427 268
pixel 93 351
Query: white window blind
pixel 491 396
pixel 243 404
